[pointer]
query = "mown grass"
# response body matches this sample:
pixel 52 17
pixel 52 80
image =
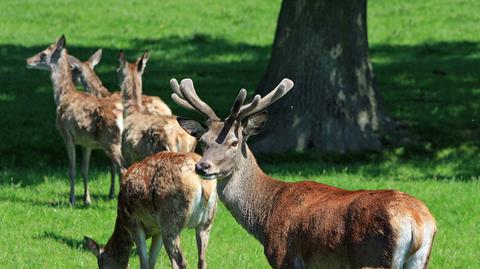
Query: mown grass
pixel 40 230
pixel 426 56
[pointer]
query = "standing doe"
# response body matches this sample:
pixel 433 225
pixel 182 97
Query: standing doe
pixel 304 224
pixel 145 134
pixel 83 73
pixel 159 197
pixel 82 119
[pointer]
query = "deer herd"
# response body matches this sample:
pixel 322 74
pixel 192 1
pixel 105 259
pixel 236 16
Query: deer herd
pixel 165 186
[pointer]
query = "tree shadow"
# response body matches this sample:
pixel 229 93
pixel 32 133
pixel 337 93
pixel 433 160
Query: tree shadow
pixel 432 88
pixel 20 176
pixel 373 167
pixel 61 202
pixel 26 97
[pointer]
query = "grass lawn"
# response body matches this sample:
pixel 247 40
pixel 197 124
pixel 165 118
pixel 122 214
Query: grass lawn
pixel 426 56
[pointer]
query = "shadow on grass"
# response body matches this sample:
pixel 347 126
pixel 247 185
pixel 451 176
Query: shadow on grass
pixel 19 176
pixel 61 202
pixel 433 88
pixel 396 164
pixel 218 67
pixel 73 243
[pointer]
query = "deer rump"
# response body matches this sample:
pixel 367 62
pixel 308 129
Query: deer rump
pixel 328 226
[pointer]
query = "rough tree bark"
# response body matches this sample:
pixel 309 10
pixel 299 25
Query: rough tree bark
pixel 334 107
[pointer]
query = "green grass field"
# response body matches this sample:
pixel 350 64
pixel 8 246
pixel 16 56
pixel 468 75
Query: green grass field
pixel 224 46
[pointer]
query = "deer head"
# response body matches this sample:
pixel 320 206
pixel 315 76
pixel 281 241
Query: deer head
pixel 130 76
pixel 104 260
pixel 83 71
pixel 44 59
pixel 131 72
pixel 223 142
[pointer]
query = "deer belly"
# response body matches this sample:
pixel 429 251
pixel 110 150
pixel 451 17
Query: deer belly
pixel 200 210
pixel 150 224
pixel 87 140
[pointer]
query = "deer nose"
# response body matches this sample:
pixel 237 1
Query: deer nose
pixel 202 168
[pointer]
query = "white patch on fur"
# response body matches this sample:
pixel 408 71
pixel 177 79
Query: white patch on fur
pixel 119 122
pixel 419 258
pixel 404 243
pixel 200 211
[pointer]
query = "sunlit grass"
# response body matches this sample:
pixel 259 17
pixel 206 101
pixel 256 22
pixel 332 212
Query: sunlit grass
pixel 38 222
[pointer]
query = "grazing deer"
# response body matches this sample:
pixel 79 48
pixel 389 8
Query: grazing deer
pixel 83 73
pixel 304 224
pixel 159 197
pixel 145 134
pixel 82 119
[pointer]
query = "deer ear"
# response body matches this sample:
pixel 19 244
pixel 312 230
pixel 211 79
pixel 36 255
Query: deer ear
pixel 74 62
pixel 95 58
pixel 192 127
pixel 92 245
pixel 142 62
pixel 61 43
pixel 254 124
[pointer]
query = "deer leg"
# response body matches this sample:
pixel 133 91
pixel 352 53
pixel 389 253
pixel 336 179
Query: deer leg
pixel 298 263
pixel 70 146
pixel 202 235
pixel 172 246
pixel 115 154
pixel 87 152
pixel 113 170
pixel 155 248
pixel 140 241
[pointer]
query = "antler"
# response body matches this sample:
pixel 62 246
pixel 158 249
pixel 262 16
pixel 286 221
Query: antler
pixel 237 105
pixel 186 96
pixel 258 103
pixel 177 95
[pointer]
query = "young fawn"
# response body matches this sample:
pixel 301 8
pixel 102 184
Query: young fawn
pixel 159 197
pixel 304 224
pixel 82 119
pixel 83 74
pixel 145 134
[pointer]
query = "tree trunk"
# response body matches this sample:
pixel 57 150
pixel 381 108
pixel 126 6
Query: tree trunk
pixel 334 107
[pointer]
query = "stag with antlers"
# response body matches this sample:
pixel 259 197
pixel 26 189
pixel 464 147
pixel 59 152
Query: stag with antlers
pixel 303 224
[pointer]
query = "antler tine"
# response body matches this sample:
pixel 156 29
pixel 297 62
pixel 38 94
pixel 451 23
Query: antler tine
pixel 242 94
pixel 175 87
pixel 181 102
pixel 177 96
pixel 246 109
pixel 258 104
pixel 188 91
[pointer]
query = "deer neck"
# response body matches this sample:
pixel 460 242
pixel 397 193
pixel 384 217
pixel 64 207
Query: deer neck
pixel 61 77
pixel 248 194
pixel 120 243
pixel 132 95
pixel 93 84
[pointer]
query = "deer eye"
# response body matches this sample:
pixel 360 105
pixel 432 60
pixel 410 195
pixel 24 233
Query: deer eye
pixel 42 56
pixel 234 144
